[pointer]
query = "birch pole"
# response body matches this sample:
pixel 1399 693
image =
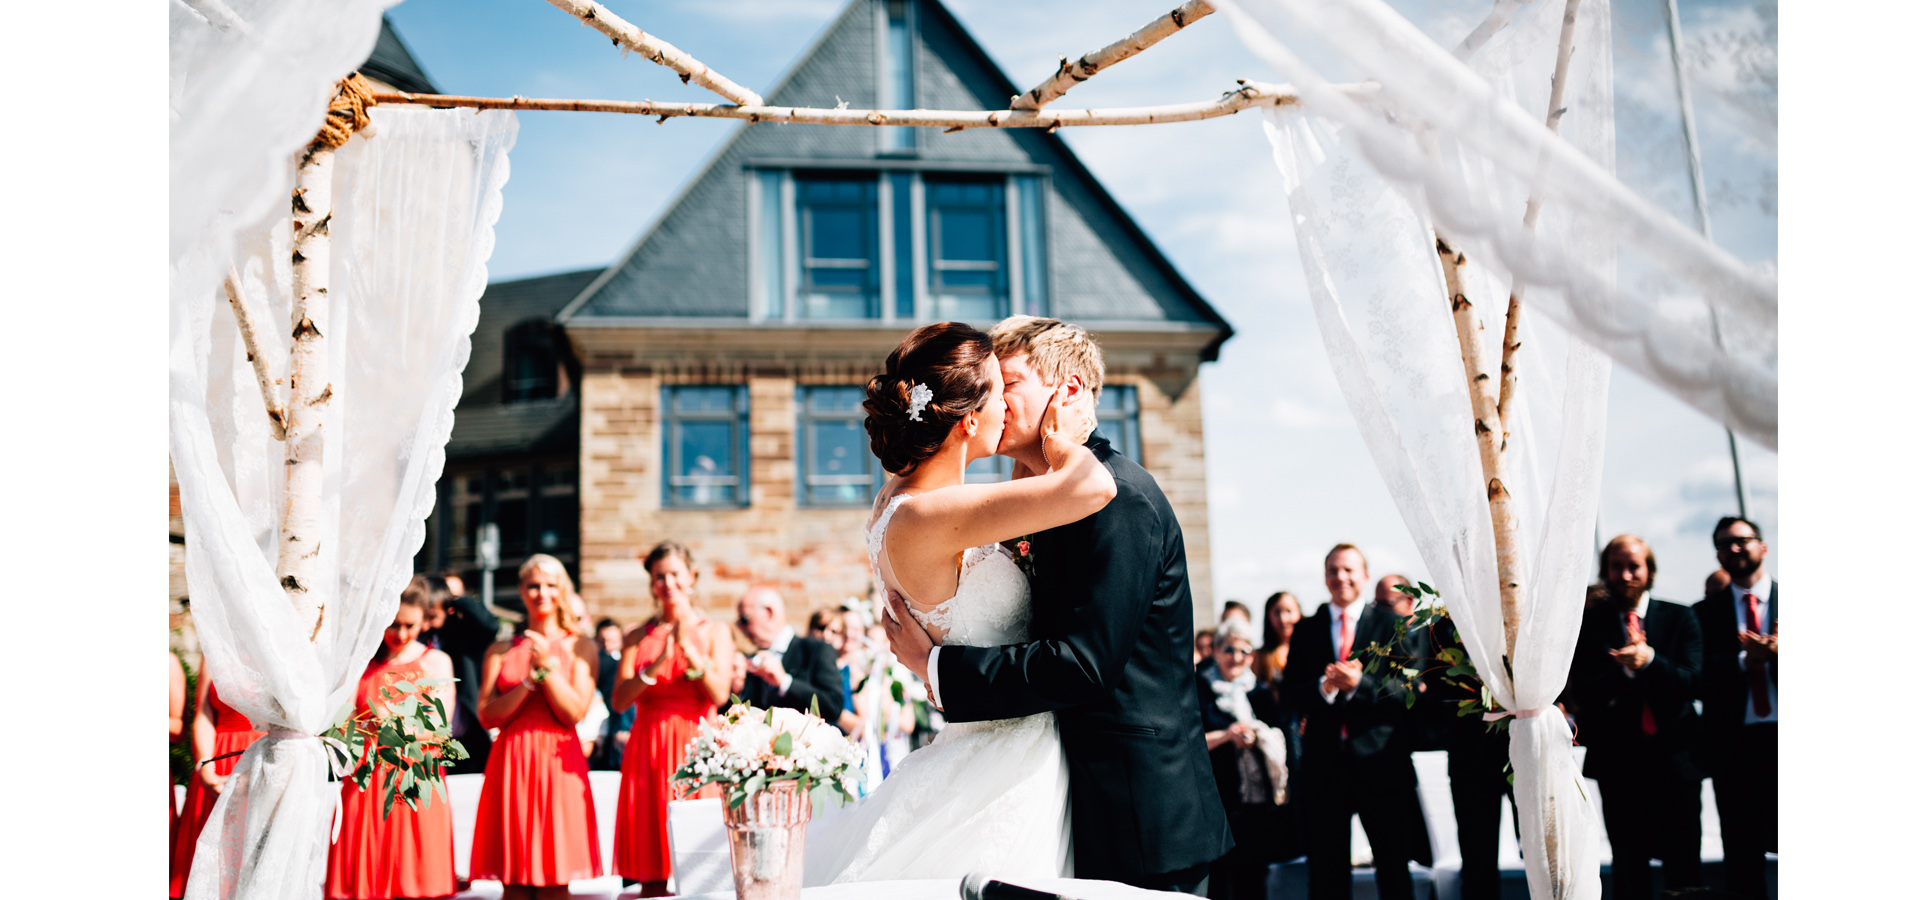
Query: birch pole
pixel 629 36
pixel 1088 65
pixel 250 337
pixel 308 386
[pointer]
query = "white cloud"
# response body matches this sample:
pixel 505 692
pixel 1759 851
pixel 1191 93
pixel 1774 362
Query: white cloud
pixel 1290 412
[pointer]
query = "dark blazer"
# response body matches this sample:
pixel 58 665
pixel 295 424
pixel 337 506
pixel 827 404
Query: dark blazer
pixel 466 634
pixel 816 673
pixel 1374 718
pixel 1611 704
pixel 1112 656
pixel 1723 685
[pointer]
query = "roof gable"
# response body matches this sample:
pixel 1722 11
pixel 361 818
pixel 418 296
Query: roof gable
pixel 692 263
pixel 394 64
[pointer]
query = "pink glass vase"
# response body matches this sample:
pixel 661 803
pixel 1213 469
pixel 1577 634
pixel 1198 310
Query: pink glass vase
pixel 767 837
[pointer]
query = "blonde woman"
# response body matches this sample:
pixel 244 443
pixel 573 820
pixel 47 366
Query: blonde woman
pixel 535 828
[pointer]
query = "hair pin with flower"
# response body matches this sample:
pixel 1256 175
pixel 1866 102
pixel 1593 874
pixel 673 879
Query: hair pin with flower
pixel 917 400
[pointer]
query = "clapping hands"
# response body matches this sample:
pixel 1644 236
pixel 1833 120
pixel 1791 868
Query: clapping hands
pixel 1760 647
pixel 1343 676
pixel 1634 656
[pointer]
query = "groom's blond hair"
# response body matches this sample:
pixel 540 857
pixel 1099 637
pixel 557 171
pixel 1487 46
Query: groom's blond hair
pixel 1054 349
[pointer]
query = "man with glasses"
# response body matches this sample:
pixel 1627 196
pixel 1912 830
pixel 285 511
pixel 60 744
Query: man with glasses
pixel 1740 701
pixel 1356 752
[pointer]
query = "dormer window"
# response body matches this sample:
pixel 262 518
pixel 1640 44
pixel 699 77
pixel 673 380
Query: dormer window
pixel 536 363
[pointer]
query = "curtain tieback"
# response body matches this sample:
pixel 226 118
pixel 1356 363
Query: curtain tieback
pixel 339 763
pixel 1521 714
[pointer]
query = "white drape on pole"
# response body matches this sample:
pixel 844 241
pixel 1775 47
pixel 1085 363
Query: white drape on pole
pixel 247 86
pixel 1449 136
pixel 1366 241
pixel 413 224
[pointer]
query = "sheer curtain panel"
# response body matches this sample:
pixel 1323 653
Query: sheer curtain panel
pixel 415 207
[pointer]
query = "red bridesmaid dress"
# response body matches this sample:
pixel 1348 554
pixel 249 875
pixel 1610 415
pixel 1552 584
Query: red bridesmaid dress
pixel 232 734
pixel 535 824
pixel 408 853
pixel 668 717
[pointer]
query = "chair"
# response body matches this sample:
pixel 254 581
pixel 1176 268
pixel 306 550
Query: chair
pixel 697 836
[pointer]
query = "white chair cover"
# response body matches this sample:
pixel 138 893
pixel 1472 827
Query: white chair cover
pixel 697 834
pixel 412 230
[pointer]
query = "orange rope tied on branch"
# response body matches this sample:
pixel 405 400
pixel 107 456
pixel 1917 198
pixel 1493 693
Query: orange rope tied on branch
pixel 346 112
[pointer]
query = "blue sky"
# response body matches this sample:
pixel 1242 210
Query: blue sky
pixel 1287 472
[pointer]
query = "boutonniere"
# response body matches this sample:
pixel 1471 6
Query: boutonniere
pixel 1022 550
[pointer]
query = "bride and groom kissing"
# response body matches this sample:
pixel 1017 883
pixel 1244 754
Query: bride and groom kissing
pixel 1075 745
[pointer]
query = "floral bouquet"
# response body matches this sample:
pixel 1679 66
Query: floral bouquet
pixel 749 749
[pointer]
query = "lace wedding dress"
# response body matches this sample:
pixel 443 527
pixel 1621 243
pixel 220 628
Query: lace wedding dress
pixel 984 796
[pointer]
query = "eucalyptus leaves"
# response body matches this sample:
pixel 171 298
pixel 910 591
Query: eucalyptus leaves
pixel 1406 670
pixel 412 740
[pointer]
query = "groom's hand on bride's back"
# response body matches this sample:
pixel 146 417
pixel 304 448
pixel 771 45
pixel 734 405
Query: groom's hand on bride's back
pixel 910 643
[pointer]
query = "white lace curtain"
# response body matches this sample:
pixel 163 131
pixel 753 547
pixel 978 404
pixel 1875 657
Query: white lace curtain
pixel 1367 183
pixel 415 207
pixel 1466 144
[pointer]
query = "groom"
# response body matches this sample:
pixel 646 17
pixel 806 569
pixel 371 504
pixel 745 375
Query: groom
pixel 1112 645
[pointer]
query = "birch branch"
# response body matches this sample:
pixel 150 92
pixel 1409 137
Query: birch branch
pixel 1510 346
pixel 308 388
pixel 250 336
pixel 1248 96
pixel 1484 392
pixel 1497 19
pixel 629 36
pixel 1089 65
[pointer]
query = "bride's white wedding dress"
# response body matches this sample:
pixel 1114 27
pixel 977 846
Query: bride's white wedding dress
pixel 984 796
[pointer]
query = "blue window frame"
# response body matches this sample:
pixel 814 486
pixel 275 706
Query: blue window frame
pixel 967 249
pixel 1119 418
pixel 1031 191
pixel 838 216
pixel 704 428
pixel 896 76
pixel 836 466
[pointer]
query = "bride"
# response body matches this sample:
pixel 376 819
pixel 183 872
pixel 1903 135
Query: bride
pixel 984 796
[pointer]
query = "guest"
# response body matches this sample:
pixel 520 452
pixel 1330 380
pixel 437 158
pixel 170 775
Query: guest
pixel 1353 759
pixel 535 828
pixel 1428 719
pixel 1740 701
pixel 608 750
pixel 676 670
pixel 1234 609
pixel 786 669
pixel 1282 614
pixel 402 852
pixel 465 629
pixel 1241 716
pixel 1400 602
pixel 1476 772
pixel 1202 648
pixel 829 626
pixel 219 730
pixel 1716 582
pixel 1635 667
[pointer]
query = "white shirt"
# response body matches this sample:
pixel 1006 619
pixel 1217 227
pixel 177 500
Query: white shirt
pixel 778 648
pixel 1762 591
pixel 1335 626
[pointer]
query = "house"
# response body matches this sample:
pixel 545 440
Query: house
pixel 706 386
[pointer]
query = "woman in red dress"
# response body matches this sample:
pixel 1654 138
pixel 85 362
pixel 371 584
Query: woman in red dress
pixel 218 730
pixel 535 830
pixel 407 852
pixel 678 667
pixel 176 708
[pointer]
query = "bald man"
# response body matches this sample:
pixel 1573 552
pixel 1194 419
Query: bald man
pixel 1635 672
pixel 789 670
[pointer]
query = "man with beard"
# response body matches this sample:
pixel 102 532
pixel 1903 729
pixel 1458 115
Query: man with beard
pixel 1740 701
pixel 1634 671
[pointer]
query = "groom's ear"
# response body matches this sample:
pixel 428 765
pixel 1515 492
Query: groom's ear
pixel 1076 388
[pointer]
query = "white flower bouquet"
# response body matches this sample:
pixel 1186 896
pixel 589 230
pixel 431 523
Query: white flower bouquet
pixel 749 749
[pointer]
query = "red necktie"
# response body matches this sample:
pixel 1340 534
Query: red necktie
pixel 1638 635
pixel 1346 633
pixel 1756 670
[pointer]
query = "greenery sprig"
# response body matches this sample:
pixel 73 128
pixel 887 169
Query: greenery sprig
pixel 413 739
pixel 1407 670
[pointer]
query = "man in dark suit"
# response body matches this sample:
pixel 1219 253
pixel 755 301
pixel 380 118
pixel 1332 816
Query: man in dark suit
pixel 1740 702
pixel 789 670
pixel 1112 645
pixel 1476 772
pixel 464 631
pixel 1633 677
pixel 1356 752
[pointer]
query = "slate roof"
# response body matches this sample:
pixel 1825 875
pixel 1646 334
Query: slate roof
pixel 392 63
pixel 692 262
pixel 484 426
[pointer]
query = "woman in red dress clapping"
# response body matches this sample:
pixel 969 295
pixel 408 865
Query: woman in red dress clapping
pixel 534 830
pixel 220 733
pixel 678 667
pixel 403 852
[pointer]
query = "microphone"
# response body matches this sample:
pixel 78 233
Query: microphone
pixel 977 886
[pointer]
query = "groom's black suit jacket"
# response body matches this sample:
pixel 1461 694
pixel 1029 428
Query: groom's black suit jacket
pixel 1112 656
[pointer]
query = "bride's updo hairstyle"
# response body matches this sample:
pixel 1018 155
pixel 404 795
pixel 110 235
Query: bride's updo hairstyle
pixel 951 359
